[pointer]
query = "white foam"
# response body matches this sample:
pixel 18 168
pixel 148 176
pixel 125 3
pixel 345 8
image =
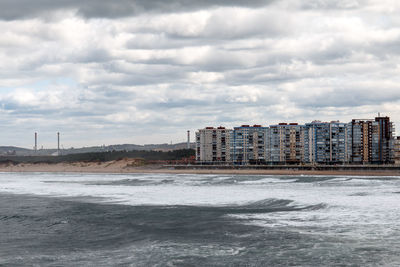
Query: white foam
pixel 350 203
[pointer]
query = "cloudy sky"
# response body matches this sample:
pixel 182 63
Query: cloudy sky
pixel 145 71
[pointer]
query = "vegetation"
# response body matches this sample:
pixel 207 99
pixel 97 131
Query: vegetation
pixel 103 156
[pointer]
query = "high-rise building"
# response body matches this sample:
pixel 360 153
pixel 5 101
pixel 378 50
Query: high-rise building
pixel 325 142
pixel 248 144
pixel 285 143
pixel 212 145
pixel 386 141
pixel 360 141
pixel 396 150
pixel 363 141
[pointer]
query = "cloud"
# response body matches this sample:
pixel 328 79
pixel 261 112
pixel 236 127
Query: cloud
pixel 329 4
pixel 146 71
pixel 22 9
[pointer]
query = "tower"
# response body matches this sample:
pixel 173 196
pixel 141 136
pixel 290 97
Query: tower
pixel 188 139
pixel 58 143
pixel 35 147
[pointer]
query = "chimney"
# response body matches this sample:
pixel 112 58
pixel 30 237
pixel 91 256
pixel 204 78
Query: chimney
pixel 58 143
pixel 188 139
pixel 35 141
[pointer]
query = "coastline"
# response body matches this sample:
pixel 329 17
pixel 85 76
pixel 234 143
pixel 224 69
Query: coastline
pixel 133 166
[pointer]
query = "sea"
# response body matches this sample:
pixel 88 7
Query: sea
pixel 67 219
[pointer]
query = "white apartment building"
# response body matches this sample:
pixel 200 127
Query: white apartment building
pixel 212 145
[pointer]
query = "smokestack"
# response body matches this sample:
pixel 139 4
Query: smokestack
pixel 58 143
pixel 188 139
pixel 35 141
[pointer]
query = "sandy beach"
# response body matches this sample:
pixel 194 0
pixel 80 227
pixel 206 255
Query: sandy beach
pixel 136 166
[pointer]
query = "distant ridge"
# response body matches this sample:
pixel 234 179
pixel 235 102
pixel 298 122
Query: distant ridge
pixel 18 151
pixel 13 150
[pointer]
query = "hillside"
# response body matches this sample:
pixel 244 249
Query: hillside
pixel 17 151
pixel 175 155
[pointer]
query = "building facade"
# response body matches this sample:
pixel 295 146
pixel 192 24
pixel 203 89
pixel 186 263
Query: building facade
pixel 248 145
pixel 363 141
pixel 212 145
pixel 325 142
pixel 386 140
pixel 368 141
pixel 396 150
pixel 285 143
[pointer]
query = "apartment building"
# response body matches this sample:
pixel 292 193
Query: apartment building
pixel 248 145
pixel 325 142
pixel 386 140
pixel 396 150
pixel 212 145
pixel 363 141
pixel 285 143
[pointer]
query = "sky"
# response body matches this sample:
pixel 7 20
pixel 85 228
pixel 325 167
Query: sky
pixel 146 71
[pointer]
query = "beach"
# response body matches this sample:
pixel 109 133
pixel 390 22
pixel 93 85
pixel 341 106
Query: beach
pixel 137 166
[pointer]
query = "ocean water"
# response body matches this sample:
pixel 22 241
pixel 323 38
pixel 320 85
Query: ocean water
pixel 49 219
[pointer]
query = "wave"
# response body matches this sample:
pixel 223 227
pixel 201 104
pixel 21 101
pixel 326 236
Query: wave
pixel 274 205
pixel 66 232
pixel 313 179
pixel 239 179
pixel 360 194
pixel 132 182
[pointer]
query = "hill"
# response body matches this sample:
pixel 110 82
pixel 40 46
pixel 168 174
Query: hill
pixel 17 151
pixel 147 156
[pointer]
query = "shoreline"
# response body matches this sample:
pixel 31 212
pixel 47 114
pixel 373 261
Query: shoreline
pixel 126 166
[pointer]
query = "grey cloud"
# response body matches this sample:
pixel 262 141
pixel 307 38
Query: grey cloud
pixel 348 97
pixel 137 74
pixel 92 55
pixel 17 9
pixel 176 103
pixel 114 74
pixel 385 50
pixel 270 75
pixel 156 41
pixel 332 4
pixel 220 26
pixel 336 53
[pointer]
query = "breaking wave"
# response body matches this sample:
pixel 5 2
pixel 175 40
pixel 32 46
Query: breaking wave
pixel 161 220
